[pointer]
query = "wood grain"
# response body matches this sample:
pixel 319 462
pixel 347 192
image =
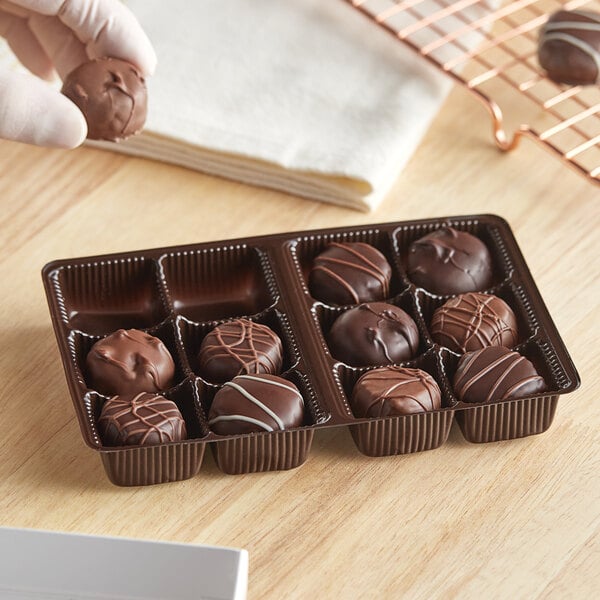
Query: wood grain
pixel 515 519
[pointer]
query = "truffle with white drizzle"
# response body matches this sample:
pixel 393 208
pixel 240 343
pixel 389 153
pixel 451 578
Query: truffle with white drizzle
pixel 254 403
pixel 569 47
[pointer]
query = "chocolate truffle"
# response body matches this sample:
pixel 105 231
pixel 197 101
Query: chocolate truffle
pixel 128 362
pixel 251 403
pixel 140 420
pixel 569 47
pixel 392 391
pixel 495 373
pixel 472 321
pixel 447 261
pixel 112 96
pixel 349 274
pixel 238 347
pixel 372 334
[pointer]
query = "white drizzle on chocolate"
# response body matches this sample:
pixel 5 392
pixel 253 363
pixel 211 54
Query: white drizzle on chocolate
pixel 254 400
pixel 557 31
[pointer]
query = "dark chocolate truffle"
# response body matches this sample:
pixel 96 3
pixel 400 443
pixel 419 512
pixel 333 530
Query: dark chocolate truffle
pixel 373 334
pixel 569 47
pixel 472 321
pixel 112 96
pixel 349 274
pixel 447 261
pixel 140 420
pixel 392 391
pixel 495 373
pixel 251 403
pixel 238 347
pixel 128 362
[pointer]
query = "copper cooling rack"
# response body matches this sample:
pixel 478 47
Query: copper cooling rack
pixel 490 47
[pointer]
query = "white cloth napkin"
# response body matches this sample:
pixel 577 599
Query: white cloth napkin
pixel 305 96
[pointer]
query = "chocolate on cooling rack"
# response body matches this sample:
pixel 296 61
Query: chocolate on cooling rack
pixel 111 94
pixel 350 273
pixel 238 347
pixel 253 403
pixel 393 391
pixel 372 334
pixel 495 373
pixel 128 362
pixel 140 420
pixel 447 261
pixel 472 321
pixel 569 47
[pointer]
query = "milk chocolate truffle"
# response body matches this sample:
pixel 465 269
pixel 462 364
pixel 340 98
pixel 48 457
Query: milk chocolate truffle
pixel 447 261
pixel 569 47
pixel 372 334
pixel 349 274
pixel 128 362
pixel 252 403
pixel 112 96
pixel 238 347
pixel 392 391
pixel 140 420
pixel 472 321
pixel 495 373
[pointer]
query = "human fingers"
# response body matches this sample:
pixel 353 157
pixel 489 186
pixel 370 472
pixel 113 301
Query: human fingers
pixel 22 41
pixel 59 43
pixel 105 27
pixel 33 112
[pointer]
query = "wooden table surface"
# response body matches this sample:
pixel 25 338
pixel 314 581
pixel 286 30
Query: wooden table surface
pixel 518 519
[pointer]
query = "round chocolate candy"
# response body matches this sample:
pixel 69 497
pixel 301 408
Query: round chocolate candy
pixel 350 273
pixel 373 334
pixel 237 347
pixel 112 96
pixel 569 47
pixel 472 321
pixel 140 420
pixel 447 261
pixel 128 362
pixel 495 373
pixel 392 391
pixel 252 403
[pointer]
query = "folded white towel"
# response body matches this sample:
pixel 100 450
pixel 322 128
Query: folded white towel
pixel 305 96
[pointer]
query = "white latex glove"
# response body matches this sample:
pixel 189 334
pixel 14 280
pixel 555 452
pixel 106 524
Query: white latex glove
pixel 50 38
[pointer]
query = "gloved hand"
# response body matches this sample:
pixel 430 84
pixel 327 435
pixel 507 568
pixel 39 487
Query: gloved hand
pixel 50 38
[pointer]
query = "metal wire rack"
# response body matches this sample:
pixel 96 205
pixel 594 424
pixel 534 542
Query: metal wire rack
pixel 491 48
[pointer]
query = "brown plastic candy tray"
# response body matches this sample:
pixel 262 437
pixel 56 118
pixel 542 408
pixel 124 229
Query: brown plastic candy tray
pixel 180 293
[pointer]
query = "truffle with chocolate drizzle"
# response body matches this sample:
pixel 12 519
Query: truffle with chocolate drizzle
pixel 392 391
pixel 238 347
pixel 472 321
pixel 374 333
pixel 128 362
pixel 140 420
pixel 447 261
pixel 112 95
pixel 495 373
pixel 350 273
